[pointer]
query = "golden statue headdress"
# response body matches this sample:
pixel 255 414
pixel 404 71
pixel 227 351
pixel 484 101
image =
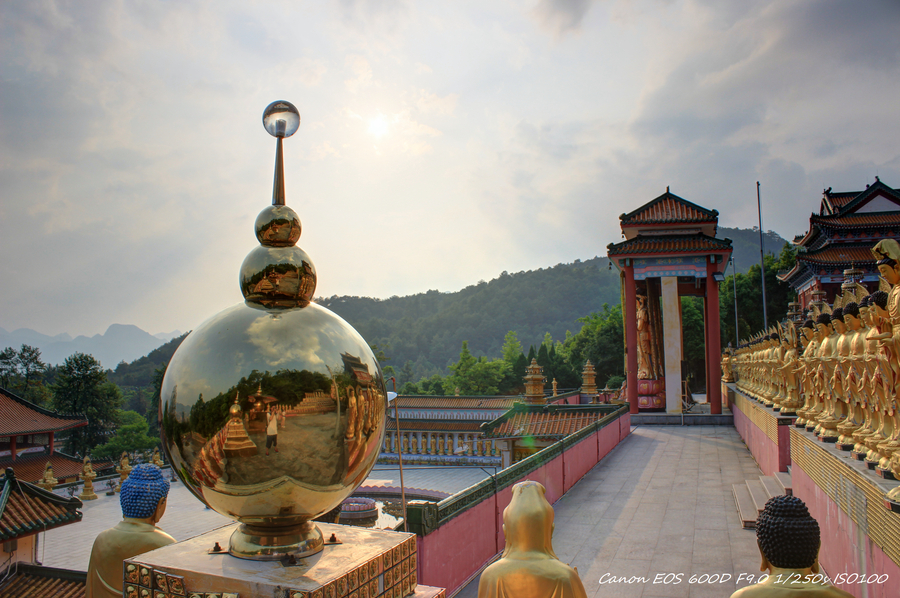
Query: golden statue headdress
pixel 884 285
pixel 861 292
pixel 838 302
pixel 814 308
pixel 887 249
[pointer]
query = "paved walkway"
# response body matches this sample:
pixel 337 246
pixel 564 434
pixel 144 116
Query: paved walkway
pixel 660 503
pixel 69 547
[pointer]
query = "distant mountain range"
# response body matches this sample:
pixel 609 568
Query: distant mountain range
pixel 120 342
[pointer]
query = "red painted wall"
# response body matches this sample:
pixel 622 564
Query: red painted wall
pixel 480 529
pixel 845 548
pixel 769 456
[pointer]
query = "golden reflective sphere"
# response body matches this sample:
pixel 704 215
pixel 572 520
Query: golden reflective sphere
pixel 307 426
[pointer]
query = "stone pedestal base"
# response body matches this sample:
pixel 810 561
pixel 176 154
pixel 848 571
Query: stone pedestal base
pixel 367 563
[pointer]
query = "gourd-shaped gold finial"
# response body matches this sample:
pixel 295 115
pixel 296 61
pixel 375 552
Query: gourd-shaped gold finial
pixel 278 274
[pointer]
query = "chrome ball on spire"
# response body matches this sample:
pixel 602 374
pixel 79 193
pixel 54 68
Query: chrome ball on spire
pixel 273 411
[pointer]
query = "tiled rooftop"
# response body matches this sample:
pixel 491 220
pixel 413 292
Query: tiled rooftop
pixel 43 582
pixel 26 509
pixel 21 417
pixel 454 402
pixel 668 208
pixel 699 243
pixel 868 220
pixel 410 425
pixel 31 467
pixel 839 255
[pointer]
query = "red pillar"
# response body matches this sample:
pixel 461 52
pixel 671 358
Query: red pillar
pixel 713 342
pixel 630 313
pixel 12 447
pixel 51 443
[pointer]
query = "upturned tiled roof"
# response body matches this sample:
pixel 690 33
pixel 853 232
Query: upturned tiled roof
pixel 31 467
pixel 668 208
pixel 665 244
pixel 26 509
pixel 864 220
pixel 840 255
pixel 420 425
pixel 32 581
pixel 540 423
pixel 22 417
pixel 454 402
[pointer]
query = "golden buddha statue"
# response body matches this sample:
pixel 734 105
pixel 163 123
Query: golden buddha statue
pixel 824 352
pixel 788 540
pixel 88 475
pixel 835 412
pixel 867 371
pixel 143 500
pixel 888 252
pixel 854 369
pixel 528 567
pixel 790 401
pixel 810 343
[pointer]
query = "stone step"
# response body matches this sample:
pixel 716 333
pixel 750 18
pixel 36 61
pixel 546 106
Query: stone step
pixel 784 478
pixel 745 507
pixel 758 494
pixel 772 485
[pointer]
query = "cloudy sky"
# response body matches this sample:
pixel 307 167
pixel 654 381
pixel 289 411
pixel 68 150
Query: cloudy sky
pixel 441 142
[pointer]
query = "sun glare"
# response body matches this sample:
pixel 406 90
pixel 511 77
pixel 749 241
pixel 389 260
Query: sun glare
pixel 378 126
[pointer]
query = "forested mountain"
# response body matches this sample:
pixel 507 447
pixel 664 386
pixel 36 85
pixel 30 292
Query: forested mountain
pixel 428 329
pixel 140 372
pixel 746 245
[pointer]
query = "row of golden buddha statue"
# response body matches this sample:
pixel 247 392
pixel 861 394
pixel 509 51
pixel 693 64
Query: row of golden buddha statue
pixel 840 373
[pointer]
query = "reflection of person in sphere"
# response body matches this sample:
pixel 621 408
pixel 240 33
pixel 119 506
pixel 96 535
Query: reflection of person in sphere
pixel 143 500
pixel 788 540
pixel 271 429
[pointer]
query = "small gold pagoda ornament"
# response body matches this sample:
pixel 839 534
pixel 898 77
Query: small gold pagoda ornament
pixel 589 379
pixel 279 336
pixel 534 384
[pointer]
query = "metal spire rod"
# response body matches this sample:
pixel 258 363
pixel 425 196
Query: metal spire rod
pixel 762 259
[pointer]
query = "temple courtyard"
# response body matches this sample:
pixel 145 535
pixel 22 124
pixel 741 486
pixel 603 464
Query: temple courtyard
pixel 660 503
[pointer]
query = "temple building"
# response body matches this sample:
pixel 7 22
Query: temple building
pixel 837 247
pixel 28 440
pixel 441 428
pixel 25 511
pixel 670 250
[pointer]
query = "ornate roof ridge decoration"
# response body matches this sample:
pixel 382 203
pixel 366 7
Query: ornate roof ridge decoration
pixel 27 509
pixel 669 208
pixel 696 243
pixel 14 407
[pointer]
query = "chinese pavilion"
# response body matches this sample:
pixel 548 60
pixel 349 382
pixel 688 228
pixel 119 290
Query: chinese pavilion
pixel 836 249
pixel 28 439
pixel 670 250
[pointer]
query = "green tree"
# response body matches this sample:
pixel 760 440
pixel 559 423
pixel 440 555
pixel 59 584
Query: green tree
pixel 131 435
pixel 30 365
pixel 600 340
pixel 749 296
pixel 81 387
pixel 512 348
pixel 8 369
pixel 153 407
pixel 476 376
pixel 693 342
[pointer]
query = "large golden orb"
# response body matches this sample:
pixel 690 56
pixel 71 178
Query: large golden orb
pixel 273 411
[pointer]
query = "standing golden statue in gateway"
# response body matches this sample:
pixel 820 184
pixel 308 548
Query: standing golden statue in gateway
pixel 528 567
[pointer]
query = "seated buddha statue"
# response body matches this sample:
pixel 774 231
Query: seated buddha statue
pixel 789 542
pixel 528 567
pixel 143 502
